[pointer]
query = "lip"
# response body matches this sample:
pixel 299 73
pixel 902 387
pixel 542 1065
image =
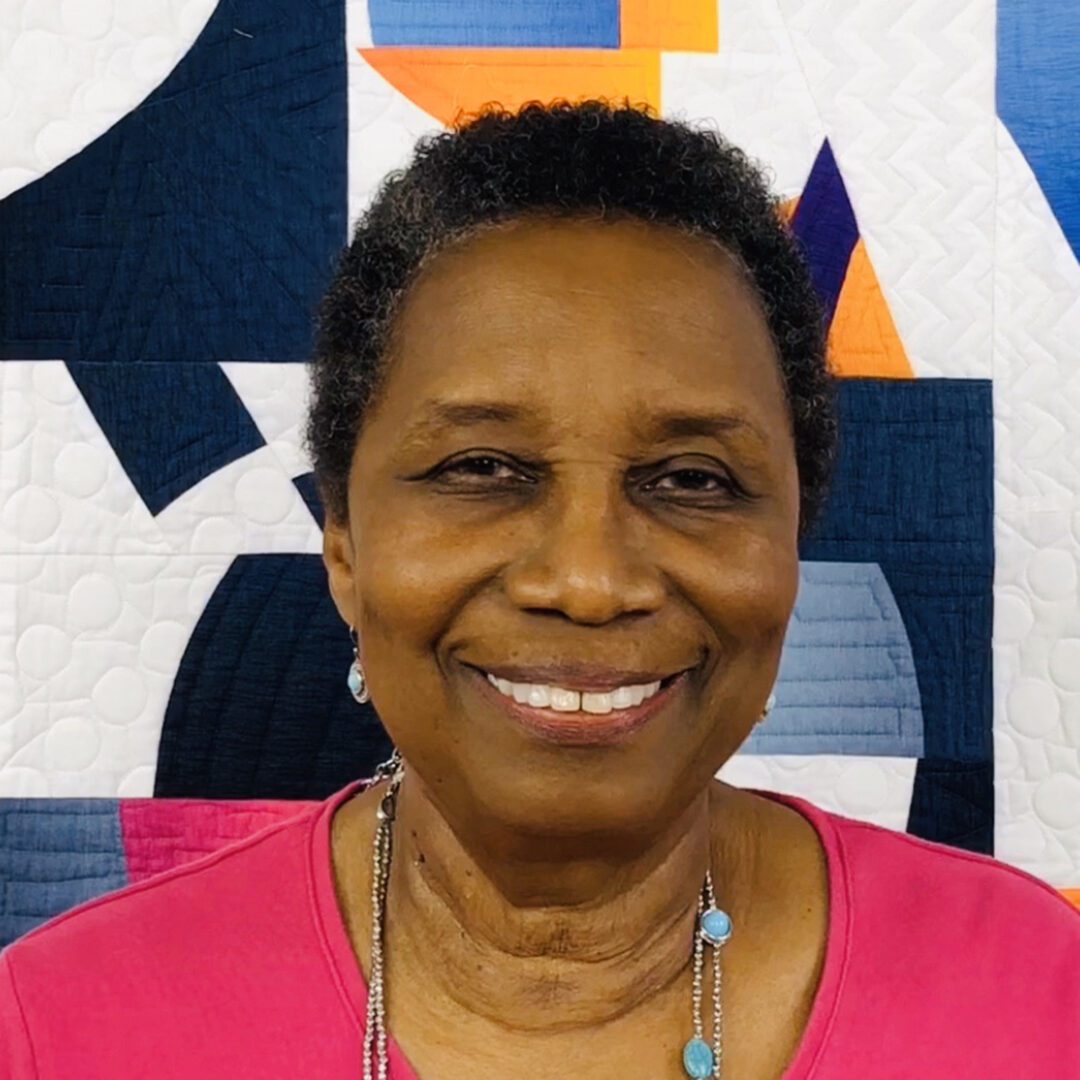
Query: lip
pixel 577 728
pixel 577 676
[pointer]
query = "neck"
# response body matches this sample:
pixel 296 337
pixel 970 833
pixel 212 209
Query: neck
pixel 550 939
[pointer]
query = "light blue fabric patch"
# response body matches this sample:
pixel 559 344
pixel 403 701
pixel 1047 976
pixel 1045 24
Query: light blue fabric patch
pixel 847 680
pixel 1038 97
pixel 508 23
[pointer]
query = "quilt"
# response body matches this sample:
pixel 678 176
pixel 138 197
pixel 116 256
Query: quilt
pixel 176 180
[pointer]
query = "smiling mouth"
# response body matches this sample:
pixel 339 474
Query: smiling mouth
pixel 572 725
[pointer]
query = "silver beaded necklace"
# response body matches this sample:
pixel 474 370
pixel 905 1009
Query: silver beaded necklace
pixel 700 1060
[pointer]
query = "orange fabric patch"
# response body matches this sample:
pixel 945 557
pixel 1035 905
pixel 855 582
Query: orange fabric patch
pixel 446 82
pixel 681 25
pixel 862 339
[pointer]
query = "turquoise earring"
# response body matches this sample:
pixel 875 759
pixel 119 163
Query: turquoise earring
pixel 357 682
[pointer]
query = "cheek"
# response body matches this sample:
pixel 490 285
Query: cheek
pixel 746 587
pixel 408 588
pixel 415 573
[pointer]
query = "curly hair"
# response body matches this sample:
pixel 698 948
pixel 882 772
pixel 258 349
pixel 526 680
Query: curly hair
pixel 589 159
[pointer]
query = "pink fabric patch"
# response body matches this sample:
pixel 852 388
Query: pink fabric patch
pixel 162 833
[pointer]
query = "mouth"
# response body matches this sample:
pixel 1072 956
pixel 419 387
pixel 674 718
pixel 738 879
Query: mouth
pixel 577 726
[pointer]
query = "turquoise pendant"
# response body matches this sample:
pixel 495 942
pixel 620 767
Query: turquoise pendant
pixel 698 1060
pixel 715 926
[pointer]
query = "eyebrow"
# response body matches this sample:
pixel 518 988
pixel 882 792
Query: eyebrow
pixel 438 415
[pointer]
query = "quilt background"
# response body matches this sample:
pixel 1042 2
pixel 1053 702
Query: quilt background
pixel 175 182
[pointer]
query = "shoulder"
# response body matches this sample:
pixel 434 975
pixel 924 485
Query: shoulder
pixel 210 969
pixel 166 916
pixel 941 880
pixel 991 939
pixel 898 898
pixel 967 954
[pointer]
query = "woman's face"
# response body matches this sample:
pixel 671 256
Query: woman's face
pixel 582 455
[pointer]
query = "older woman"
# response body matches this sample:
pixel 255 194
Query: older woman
pixel 571 412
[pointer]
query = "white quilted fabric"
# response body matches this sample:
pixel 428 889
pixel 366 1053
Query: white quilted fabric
pixel 69 70
pixel 906 92
pixel 100 597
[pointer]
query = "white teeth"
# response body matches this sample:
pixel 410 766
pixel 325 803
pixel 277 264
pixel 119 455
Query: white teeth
pixel 541 696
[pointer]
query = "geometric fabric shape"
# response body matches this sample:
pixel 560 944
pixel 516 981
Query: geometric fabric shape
pixel 445 58
pixel 443 82
pixel 948 803
pixel 847 681
pixel 862 337
pixel 54 854
pixel 160 834
pixel 671 25
pixel 508 23
pixel 204 224
pixel 913 493
pixel 824 225
pixel 259 706
pixel 58 853
pixel 305 484
pixel 1038 98
pixel 170 424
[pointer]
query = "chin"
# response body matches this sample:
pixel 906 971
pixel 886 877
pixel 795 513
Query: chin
pixel 564 801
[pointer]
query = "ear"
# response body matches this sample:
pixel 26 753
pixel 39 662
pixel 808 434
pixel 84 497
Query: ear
pixel 340 561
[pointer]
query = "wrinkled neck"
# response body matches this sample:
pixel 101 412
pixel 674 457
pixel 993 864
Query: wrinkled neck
pixel 555 938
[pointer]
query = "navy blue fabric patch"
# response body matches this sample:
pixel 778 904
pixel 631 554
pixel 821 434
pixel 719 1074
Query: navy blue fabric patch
pixel 171 424
pixel 913 492
pixel 949 804
pixel 914 475
pixel 509 23
pixel 54 854
pixel 260 707
pixel 305 484
pixel 824 224
pixel 204 225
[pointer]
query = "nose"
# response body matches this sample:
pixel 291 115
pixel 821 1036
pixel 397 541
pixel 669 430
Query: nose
pixel 586 563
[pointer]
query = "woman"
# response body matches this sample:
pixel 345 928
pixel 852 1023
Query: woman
pixel 571 413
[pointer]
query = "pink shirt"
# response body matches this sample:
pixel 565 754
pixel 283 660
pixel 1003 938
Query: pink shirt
pixel 940 964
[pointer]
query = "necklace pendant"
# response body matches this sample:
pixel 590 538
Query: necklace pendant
pixel 715 926
pixel 386 808
pixel 698 1059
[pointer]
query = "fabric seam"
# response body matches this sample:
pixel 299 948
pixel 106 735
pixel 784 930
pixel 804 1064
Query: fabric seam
pixel 827 826
pixel 845 966
pixel 322 933
pixel 22 1014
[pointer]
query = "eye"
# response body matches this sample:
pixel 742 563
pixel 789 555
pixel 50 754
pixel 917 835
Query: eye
pixel 477 467
pixel 695 482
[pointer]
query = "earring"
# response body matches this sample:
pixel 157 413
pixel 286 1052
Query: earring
pixel 770 704
pixel 357 682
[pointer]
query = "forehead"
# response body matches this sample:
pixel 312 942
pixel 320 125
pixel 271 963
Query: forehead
pixel 561 312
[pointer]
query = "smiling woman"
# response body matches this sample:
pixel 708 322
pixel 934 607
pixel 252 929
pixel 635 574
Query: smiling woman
pixel 620 492
pixel 571 414
pixel 563 509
